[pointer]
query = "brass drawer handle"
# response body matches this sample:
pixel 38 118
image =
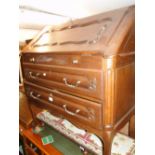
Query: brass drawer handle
pixel 32 59
pixel 71 85
pixel 75 61
pixel 36 75
pixel 33 96
pixel 92 85
pixel 50 98
pixel 70 112
pixel 44 74
pixel 32 76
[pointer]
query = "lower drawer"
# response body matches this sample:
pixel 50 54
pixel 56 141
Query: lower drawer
pixel 67 106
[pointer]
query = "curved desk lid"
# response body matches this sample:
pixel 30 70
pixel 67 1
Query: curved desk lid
pixel 104 33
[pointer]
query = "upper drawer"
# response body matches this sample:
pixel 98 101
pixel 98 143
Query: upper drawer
pixel 73 108
pixel 83 83
pixel 80 61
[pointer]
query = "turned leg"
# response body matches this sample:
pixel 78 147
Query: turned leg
pixel 107 140
pixel 132 127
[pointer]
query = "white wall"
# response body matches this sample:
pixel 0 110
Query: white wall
pixel 25 34
pixel 77 8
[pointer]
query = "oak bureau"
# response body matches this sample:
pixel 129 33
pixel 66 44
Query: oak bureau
pixel 83 71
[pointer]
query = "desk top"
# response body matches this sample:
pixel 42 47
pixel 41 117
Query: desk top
pixel 60 144
pixel 36 140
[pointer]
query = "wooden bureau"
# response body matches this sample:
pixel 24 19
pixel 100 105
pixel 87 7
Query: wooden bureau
pixel 83 71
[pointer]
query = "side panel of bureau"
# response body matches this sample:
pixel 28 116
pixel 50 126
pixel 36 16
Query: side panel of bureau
pixel 124 90
pixel 119 93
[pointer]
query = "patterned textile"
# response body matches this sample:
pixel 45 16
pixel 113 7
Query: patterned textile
pixel 122 145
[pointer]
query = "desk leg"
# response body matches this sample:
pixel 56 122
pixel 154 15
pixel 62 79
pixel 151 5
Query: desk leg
pixel 132 127
pixel 107 140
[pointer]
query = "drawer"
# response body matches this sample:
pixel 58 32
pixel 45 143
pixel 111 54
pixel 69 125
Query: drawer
pixel 84 83
pixel 64 105
pixel 79 61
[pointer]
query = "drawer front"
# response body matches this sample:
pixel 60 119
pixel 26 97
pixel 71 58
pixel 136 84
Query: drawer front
pixel 70 107
pixel 84 83
pixel 79 61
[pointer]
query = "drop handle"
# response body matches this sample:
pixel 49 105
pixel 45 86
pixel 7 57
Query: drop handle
pixel 50 98
pixel 71 85
pixel 75 61
pixel 32 59
pixel 33 76
pixel 70 112
pixel 36 75
pixel 33 96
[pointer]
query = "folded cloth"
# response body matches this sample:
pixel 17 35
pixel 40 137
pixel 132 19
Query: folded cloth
pixel 123 145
